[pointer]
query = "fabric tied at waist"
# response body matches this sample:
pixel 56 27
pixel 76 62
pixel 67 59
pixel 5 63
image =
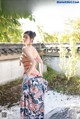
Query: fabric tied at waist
pixel 37 81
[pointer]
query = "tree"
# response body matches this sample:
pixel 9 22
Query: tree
pixel 10 29
pixel 73 28
pixel 46 37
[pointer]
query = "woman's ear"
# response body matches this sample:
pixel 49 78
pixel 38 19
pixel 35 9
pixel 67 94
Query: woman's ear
pixel 29 43
pixel 32 40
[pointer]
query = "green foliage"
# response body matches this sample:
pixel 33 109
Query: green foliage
pixel 0 5
pixel 64 37
pixel 60 83
pixel 62 55
pixel 15 8
pixel 50 74
pixel 71 86
pixel 50 38
pixel 72 27
pixel 69 65
pixel 46 37
pixel 10 30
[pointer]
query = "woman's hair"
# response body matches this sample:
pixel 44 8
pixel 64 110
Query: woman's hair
pixel 31 34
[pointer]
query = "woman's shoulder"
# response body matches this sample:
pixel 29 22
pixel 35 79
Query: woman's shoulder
pixel 24 48
pixel 34 48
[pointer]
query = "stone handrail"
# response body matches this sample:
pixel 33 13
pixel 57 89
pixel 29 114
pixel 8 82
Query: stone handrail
pixel 16 48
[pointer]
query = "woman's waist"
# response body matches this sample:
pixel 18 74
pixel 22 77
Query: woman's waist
pixel 33 73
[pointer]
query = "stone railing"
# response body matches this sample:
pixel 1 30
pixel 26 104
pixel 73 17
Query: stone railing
pixel 14 50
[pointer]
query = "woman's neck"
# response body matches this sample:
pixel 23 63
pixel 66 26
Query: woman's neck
pixel 28 45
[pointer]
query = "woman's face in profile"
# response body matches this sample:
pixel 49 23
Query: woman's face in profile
pixel 26 39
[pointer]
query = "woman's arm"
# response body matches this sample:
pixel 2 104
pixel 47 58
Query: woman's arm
pixel 38 58
pixel 41 68
pixel 29 55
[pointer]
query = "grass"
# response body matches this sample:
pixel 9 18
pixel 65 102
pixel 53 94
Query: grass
pixel 60 83
pixel 10 93
pixel 50 75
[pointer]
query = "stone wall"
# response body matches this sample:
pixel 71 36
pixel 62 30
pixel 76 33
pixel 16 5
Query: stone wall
pixel 10 70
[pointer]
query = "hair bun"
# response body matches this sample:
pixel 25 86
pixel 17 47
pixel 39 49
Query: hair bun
pixel 34 34
pixel 30 33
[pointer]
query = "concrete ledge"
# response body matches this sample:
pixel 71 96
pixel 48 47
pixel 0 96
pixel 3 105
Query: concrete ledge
pixel 9 57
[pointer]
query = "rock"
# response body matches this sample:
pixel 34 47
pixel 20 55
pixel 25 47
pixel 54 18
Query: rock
pixel 62 113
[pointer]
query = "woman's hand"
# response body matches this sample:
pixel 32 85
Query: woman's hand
pixel 41 74
pixel 28 74
pixel 41 68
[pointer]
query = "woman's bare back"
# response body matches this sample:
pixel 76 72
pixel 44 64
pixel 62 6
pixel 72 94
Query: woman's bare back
pixel 27 63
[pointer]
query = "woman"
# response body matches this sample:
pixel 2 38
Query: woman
pixel 33 86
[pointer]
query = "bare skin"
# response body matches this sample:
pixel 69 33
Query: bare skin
pixel 27 58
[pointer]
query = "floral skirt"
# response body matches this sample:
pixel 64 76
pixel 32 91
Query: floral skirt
pixel 32 98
